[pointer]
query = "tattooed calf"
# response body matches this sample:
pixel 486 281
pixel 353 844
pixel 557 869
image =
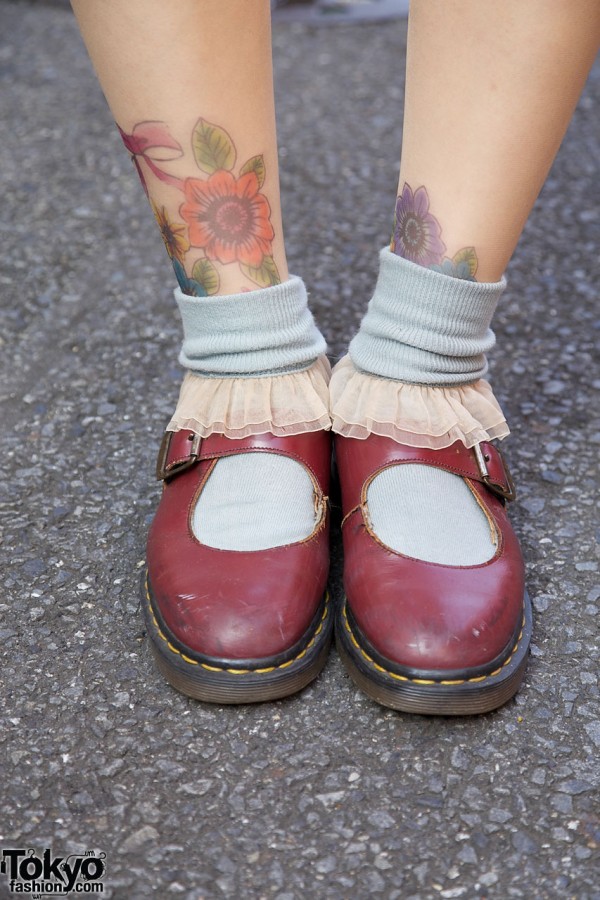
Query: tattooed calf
pixel 225 214
pixel 418 237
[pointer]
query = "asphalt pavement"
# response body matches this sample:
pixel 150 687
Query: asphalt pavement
pixel 325 794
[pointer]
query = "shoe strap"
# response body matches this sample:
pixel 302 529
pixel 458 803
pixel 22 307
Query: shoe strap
pixel 180 450
pixel 359 462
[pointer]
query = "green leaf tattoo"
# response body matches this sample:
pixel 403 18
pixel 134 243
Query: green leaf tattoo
pixel 205 274
pixel 256 165
pixel 265 275
pixel 213 148
pixel 468 256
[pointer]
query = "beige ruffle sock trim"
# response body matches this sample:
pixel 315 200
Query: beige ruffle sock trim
pixel 413 414
pixel 292 403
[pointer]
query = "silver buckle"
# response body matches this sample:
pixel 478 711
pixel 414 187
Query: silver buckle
pixel 507 492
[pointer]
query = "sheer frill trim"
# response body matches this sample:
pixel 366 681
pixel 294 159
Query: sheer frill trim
pixel 413 414
pixel 293 403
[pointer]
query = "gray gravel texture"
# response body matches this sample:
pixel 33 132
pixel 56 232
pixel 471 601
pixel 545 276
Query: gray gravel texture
pixel 324 794
pixel 334 12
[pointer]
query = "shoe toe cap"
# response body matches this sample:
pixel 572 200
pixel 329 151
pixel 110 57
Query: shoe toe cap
pixel 458 622
pixel 240 606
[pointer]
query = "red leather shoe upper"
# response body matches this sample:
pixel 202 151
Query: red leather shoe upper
pixel 235 605
pixel 422 615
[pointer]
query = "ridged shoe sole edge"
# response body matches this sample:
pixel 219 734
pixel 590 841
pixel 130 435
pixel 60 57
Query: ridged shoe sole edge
pixel 215 684
pixel 459 697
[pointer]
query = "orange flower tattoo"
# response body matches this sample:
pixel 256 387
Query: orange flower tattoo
pixel 228 217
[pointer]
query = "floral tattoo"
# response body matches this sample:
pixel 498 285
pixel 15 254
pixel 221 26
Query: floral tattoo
pixel 173 234
pixel 225 214
pixel 152 143
pixel 418 237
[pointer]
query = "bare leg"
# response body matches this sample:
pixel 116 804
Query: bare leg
pixel 190 86
pixel 490 90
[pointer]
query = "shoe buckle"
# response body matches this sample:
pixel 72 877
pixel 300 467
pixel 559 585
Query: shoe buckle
pixel 505 491
pixel 165 472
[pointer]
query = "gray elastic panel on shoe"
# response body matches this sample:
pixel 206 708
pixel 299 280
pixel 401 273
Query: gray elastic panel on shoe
pixel 429 514
pixel 254 501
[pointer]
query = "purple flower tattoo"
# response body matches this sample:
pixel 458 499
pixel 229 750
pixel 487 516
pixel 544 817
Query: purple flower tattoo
pixel 417 234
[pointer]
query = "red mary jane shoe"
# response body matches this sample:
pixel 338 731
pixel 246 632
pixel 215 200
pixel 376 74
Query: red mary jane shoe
pixel 236 626
pixel 419 636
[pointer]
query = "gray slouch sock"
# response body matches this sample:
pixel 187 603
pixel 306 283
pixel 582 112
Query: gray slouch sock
pixel 264 332
pixel 252 501
pixel 425 327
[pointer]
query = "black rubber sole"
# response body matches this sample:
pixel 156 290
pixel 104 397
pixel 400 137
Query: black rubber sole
pixel 411 694
pixel 228 684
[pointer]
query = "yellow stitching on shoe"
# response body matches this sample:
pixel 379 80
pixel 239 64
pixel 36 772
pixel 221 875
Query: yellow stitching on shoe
pixel 397 677
pixel 186 659
pixel 372 661
pixel 234 671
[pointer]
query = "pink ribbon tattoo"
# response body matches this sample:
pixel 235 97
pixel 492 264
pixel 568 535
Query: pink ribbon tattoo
pixel 152 142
